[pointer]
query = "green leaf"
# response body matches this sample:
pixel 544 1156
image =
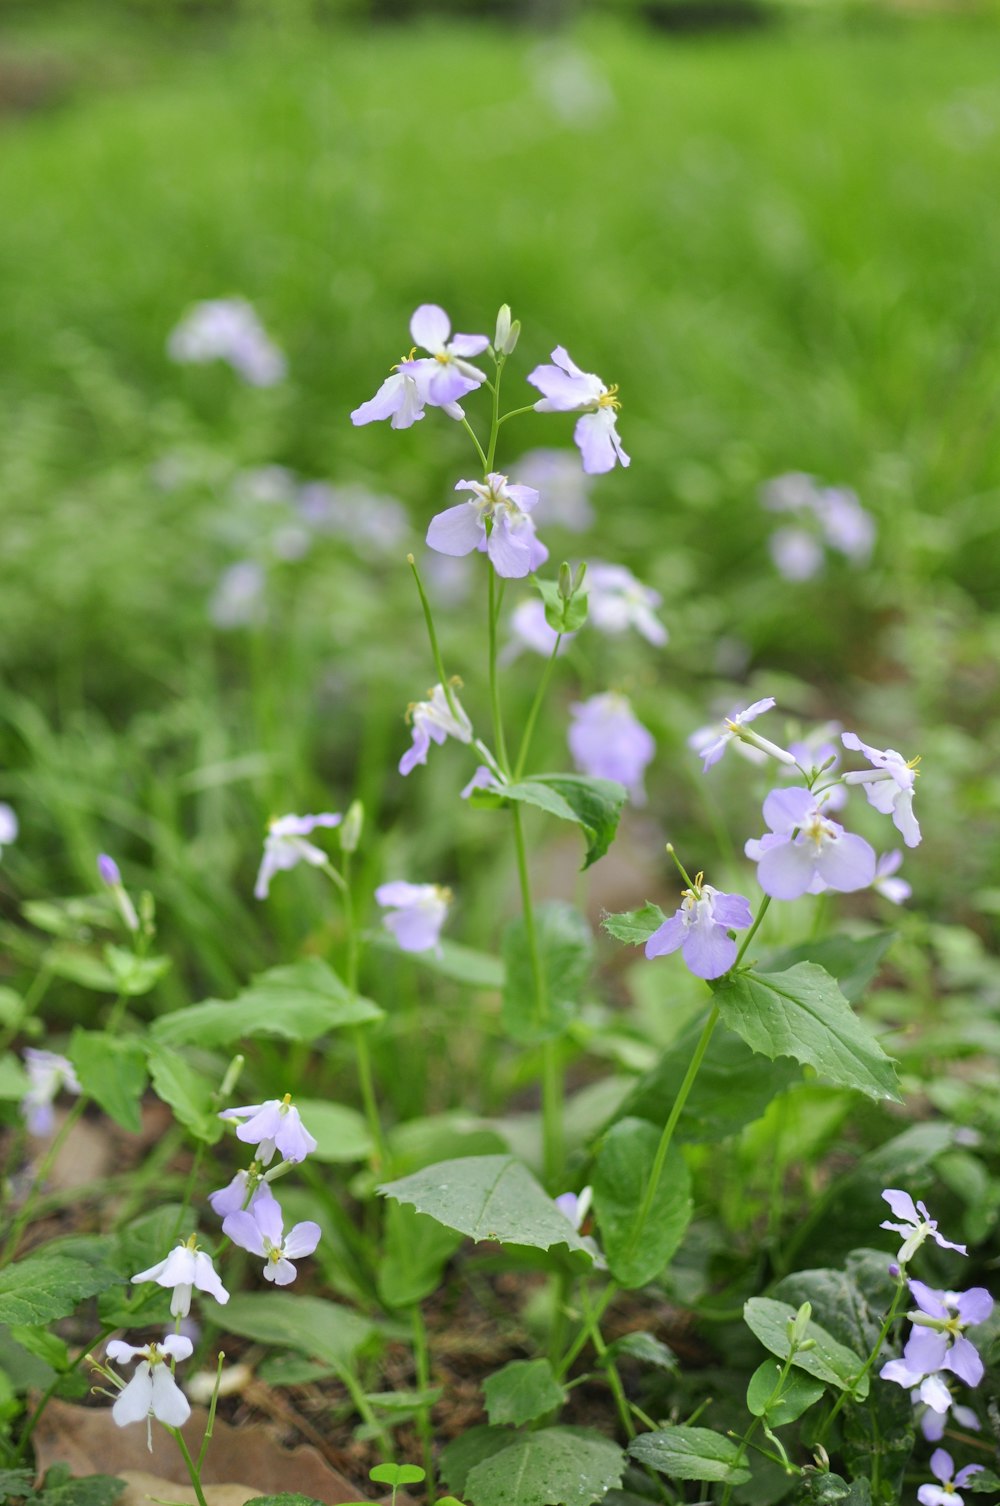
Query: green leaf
pixel 46 1286
pixel 80 966
pixel 522 1391
pixel 565 948
pixel 690 1454
pixel 624 1162
pixel 487 1197
pixel 186 1091
pixel 16 1484
pixel 292 1498
pixel 561 615
pixel 397 1474
pixel 828 1360
pixel 798 1394
pixel 853 961
pixel 317 1328
pixel 644 1347
pixel 595 805
pixel 112 1071
pixel 462 964
pixel 297 1003
pixel 550 1467
pixel 824 1489
pixel 470 1448
pixel 802 1013
pixel 135 975
pixel 838 1302
pixel 341 1133
pixel 983 1483
pixel 79 1490
pixel 14 1081
pixel 43 1345
pixel 634 926
pixel 416 1251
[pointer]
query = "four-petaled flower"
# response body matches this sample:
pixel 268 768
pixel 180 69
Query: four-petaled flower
pixel 805 852
pixel 937 1339
pixel 567 389
pixel 608 741
pixel 401 398
pixel 415 913
pixel 700 928
pixel 8 827
pixel 430 328
pixel 946 1494
pixel 185 1268
pixel 896 890
pixel 434 720
pixel 285 846
pixel 495 520
pixel 47 1074
pixel 734 726
pixel 274 1124
pixel 237 1194
pixel 917 1225
pixel 261 1232
pixel 617 600
pixel 888 785
pixel 152 1391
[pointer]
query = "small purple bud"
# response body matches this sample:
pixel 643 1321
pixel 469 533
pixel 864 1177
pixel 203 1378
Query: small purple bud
pixel 109 871
pixel 893 1270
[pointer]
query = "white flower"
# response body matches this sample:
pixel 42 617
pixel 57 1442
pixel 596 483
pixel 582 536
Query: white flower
pixel 273 1124
pixel 888 785
pixel 434 720
pixel 152 1391
pixel 185 1268
pixel 617 600
pixel 285 847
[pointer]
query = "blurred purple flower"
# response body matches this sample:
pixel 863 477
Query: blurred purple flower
pixel 8 827
pixel 238 598
pixel 897 890
pixel 797 555
pixel 285 847
pixel 617 601
pixel 227 329
pixel 531 630
pixel 434 721
pixel 415 913
pixel 564 489
pixel 608 741
pixel 847 526
pixel 700 928
pixel 48 1074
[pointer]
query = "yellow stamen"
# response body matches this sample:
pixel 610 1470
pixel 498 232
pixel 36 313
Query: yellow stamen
pixel 609 399
pixel 403 359
pixel 287 1100
pixel 912 764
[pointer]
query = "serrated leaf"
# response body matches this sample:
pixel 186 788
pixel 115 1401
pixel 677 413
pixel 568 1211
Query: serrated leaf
pixel 341 1133
pixel 853 961
pixel 522 1391
pixel 634 927
pixel 828 1360
pixel 317 1328
pixel 187 1092
pixel 802 1013
pixel 550 1467
pixel 565 951
pixel 297 1003
pixel 690 1454
pixel 625 1159
pixel 112 1071
pixel 595 805
pixel 46 1286
pixel 80 1490
pixel 416 1251
pixel 798 1393
pixel 487 1197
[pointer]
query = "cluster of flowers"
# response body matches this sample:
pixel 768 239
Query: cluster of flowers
pixel 937 1348
pixel 228 329
pixel 253 1220
pixel 828 516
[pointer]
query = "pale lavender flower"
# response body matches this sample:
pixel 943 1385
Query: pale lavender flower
pixel 888 785
pixel 564 489
pixel 453 378
pixel 233 1198
pixel 814 752
pixel 897 890
pixel 238 598
pixel 8 827
pixel 261 1232
pixel 482 779
pixel 935 1406
pixel 510 540
pixel 567 389
pixel 227 329
pixel 575 1206
pixel 805 851
pixel 916 1226
pixel 943 1468
pixel 274 1124
pixel 700 929
pixel 183 1269
pixel 152 1391
pixel 608 741
pixel 794 492
pixel 415 913
pixel 937 1339
pixel 401 398
pixel 48 1073
pixel 703 738
pixel 434 720
pixel 847 526
pixel 797 555
pixel 617 601
pixel 734 726
pixel 531 630
pixel 108 871
pixel 285 846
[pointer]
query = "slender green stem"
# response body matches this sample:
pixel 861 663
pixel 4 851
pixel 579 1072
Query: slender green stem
pixel 360 1038
pixel 536 706
pixel 192 1468
pixel 608 1365
pixel 493 609
pixel 495 425
pixel 553 1152
pixel 515 413
pixel 213 1404
pixel 597 1313
pixel 755 1423
pixel 848 1395
pixel 479 449
pixel 44 1167
pixel 764 906
pixel 425 1429
pixel 29 1004
pixel 432 636
pixel 659 1160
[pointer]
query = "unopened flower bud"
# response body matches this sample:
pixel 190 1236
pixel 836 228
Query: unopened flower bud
pixel 507 332
pixel 565 581
pixel 350 831
pixel 232 1074
pixel 580 576
pixel 798 1326
pixel 109 871
pixel 110 874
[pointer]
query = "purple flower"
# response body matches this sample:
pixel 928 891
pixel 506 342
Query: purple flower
pixel 152 1391
pixel 481 780
pixel 430 328
pixel 271 1125
pixel 8 827
pixel 847 526
pixel 261 1232
pixel 509 541
pixel 416 913
pixel 227 329
pixel 567 389
pixel 617 601
pixel 935 1401
pixel 434 720
pixel 797 555
pixel 794 492
pixel 575 1206
pixel 608 741
pixel 700 928
pixel 917 1225
pixel 183 1269
pixel 805 852
pixel 48 1073
pixel 937 1339
pixel 889 786
pixel 108 871
pixel 401 398
pixel 233 1198
pixel 946 1494
pixel 238 599
pixel 110 874
pixel 564 488
pixel 734 726
pixel 531 630
pixel 285 847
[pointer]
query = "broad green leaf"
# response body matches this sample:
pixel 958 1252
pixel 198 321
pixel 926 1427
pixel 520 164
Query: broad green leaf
pixel 827 1360
pixel 417 1248
pixel 43 1345
pixel 637 1254
pixel 397 1474
pixel 469 1449
pixel 322 1330
pixel 71 918
pixel 646 1348
pixel 595 805
pixel 561 615
pixel 463 964
pixel 11 1008
pixel 46 1286
pixel 853 961
pixel 341 1133
pixel 135 975
pixel 522 1391
pixel 80 966
pixel 798 1394
pixel 297 1003
pixel 78 1490
pixel 551 1467
pixel 802 1013
pixel 565 950
pixel 690 1454
pixel 14 1082
pixel 839 1304
pixel 733 1087
pixel 487 1197
pixel 634 927
pixel 293 1499
pixel 186 1091
pixel 112 1071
